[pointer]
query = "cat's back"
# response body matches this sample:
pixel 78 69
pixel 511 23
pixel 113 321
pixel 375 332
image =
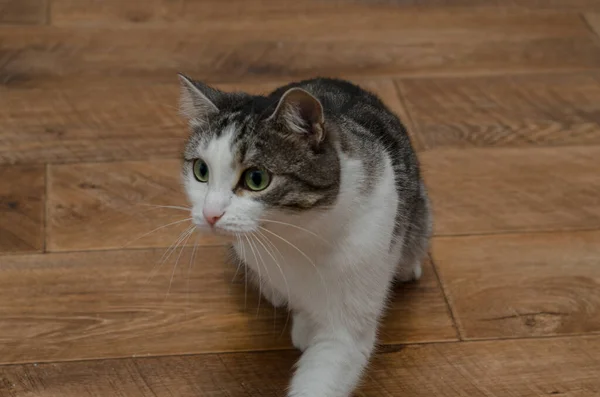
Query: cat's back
pixel 338 97
pixel 343 100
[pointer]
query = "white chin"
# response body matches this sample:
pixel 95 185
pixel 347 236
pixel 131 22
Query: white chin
pixel 230 231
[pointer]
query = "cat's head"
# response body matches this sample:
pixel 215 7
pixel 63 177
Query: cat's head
pixel 251 159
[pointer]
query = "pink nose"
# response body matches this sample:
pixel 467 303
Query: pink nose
pixel 211 218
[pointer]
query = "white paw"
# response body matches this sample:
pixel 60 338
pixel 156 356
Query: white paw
pixel 417 272
pixel 301 331
pixel 409 273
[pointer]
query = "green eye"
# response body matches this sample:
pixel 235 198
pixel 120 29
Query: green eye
pixel 256 179
pixel 200 170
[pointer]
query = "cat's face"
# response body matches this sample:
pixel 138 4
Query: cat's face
pixel 251 160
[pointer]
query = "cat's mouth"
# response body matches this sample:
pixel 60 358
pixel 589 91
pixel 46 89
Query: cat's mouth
pixel 229 231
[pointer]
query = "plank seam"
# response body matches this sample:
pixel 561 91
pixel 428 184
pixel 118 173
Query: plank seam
pixel 392 348
pixel 455 322
pixel 412 125
pixel 45 207
pixel 590 28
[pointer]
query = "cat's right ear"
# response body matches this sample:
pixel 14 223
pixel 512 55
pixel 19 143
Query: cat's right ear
pixel 197 100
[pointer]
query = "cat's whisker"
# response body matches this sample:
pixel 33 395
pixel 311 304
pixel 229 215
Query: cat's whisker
pixel 192 257
pixel 295 227
pixel 155 230
pixel 175 207
pixel 239 265
pixel 287 287
pixel 259 276
pixel 174 245
pixel 306 257
pixel 252 238
pixel 243 263
pixel 188 235
pixel 165 256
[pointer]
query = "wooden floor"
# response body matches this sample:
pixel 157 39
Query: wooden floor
pixel 502 99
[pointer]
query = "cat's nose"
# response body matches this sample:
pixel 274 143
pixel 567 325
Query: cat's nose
pixel 212 217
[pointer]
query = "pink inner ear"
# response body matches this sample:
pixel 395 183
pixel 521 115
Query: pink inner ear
pixel 301 112
pixel 309 107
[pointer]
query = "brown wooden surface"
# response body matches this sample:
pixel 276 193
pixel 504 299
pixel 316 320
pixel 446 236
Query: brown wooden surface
pixel 23 11
pixel 100 122
pixel 501 5
pixel 522 285
pixel 379 43
pixel 122 303
pixel 524 368
pixel 501 101
pixel 188 12
pixel 593 20
pixel 506 190
pixel 505 111
pixel 89 122
pixel 114 205
pixel 22 191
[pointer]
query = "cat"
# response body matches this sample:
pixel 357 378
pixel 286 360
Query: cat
pixel 320 187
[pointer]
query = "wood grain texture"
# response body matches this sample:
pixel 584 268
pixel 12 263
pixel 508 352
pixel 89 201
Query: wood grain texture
pixel 500 97
pixel 593 20
pixel 502 5
pixel 186 12
pixel 99 121
pixel 23 11
pixel 110 205
pixel 135 13
pixel 57 307
pixel 90 122
pixel 522 285
pixel 418 312
pixel 506 190
pixel 524 368
pixel 505 111
pixel 115 304
pixel 258 48
pixel 22 191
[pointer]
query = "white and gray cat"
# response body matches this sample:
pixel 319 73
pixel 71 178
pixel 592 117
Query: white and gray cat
pixel 321 189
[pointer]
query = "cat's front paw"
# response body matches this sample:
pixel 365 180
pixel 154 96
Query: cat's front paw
pixel 301 331
pixel 406 274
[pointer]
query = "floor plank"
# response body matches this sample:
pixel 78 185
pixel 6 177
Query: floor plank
pixel 593 19
pixel 522 285
pixel 23 11
pixel 505 111
pixel 115 304
pixel 506 190
pixel 22 191
pixel 95 206
pixel 98 121
pixel 380 43
pixel 524 368
pixel 72 306
pixel 502 5
pixel 187 12
pixel 90 122
pixel 418 313
pixel 103 205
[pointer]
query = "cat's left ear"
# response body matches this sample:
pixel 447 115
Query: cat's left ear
pixel 197 100
pixel 301 113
